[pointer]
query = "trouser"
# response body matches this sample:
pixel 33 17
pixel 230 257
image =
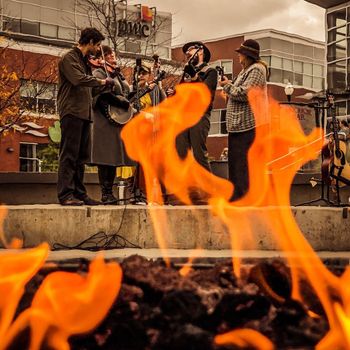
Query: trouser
pixel 74 153
pixel 106 176
pixel 195 138
pixel 238 147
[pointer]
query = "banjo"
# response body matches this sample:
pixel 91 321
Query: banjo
pixel 121 116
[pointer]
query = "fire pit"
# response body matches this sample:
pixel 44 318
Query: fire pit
pixel 158 308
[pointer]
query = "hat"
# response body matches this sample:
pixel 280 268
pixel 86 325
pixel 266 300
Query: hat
pixel 198 44
pixel 250 48
pixel 145 67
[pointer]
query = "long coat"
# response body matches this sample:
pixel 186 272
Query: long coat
pixel 107 147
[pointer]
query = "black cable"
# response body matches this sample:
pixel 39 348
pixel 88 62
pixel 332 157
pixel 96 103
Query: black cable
pixel 101 241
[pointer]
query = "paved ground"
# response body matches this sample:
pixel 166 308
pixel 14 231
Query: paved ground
pixel 181 255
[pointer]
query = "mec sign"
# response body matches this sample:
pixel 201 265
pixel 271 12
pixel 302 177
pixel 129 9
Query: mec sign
pixel 128 28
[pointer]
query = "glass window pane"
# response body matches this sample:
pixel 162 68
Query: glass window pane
pixel 337 34
pixel 215 120
pixel 318 70
pixel 298 66
pixel 48 30
pixel 317 83
pixel 336 51
pixel 336 75
pixel 276 75
pixel 227 66
pixel 31 28
pixel 12 25
pixel 287 77
pixel 276 62
pixel 307 81
pixel 307 68
pixel 131 46
pixel 66 33
pixel 287 64
pixel 340 108
pixel 27 89
pixel 298 79
pixel 336 18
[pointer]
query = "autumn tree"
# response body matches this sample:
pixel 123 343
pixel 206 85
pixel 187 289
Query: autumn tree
pixel 20 70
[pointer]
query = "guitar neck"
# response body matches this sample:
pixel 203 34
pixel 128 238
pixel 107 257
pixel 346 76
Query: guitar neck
pixel 140 93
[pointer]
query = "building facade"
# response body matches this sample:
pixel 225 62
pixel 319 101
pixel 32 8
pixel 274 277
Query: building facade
pixel 291 59
pixel 337 51
pixel 34 34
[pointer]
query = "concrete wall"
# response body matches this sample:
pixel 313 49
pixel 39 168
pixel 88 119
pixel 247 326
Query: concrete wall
pixel 326 229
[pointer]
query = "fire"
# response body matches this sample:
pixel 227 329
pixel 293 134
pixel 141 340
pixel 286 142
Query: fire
pixel 158 155
pixel 68 303
pixel 272 167
pixel 245 338
pixel 16 270
pixel 65 303
pixel 187 268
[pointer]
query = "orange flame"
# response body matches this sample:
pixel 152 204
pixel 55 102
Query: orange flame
pixel 159 157
pixel 245 338
pixel 68 303
pixel 272 167
pixel 16 269
pixel 187 268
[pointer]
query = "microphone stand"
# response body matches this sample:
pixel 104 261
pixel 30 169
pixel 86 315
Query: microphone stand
pixel 138 197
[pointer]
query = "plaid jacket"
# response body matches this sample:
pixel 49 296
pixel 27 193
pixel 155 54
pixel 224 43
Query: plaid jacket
pixel 239 116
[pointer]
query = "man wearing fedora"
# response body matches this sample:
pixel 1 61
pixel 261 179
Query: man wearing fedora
pixel 240 120
pixel 198 70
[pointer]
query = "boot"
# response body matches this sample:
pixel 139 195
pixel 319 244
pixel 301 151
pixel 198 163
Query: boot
pixel 106 176
pixel 108 197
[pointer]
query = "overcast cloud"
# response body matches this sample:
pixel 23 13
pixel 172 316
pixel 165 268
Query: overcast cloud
pixel 203 19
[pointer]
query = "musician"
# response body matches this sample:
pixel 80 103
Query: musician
pixel 74 107
pixel 240 120
pixel 198 70
pixel 155 96
pixel 107 148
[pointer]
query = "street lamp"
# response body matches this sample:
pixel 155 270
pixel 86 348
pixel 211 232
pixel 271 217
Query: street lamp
pixel 288 90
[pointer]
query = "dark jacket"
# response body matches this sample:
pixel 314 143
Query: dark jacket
pixel 107 147
pixel 74 87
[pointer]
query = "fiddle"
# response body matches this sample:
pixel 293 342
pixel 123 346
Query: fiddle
pixel 111 69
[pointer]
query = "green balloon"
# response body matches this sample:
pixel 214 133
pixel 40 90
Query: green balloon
pixel 55 132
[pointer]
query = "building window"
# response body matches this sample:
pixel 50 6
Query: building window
pixel 27 158
pixel 218 122
pixel 336 18
pixel 337 75
pixel 38 97
pixel 227 65
pixel 132 46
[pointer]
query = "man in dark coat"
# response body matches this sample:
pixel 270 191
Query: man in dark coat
pixel 74 106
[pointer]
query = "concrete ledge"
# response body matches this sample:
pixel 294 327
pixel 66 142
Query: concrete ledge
pixel 327 229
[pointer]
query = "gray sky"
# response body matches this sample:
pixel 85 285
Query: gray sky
pixel 203 19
